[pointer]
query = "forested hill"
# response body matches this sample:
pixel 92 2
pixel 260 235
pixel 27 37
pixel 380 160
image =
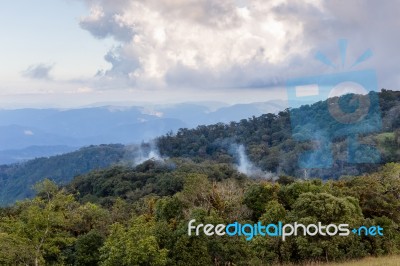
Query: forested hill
pixel 269 143
pixel 17 180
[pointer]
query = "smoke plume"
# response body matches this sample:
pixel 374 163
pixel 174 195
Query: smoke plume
pixel 245 166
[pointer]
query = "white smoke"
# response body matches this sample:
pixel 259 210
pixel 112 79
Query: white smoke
pixel 245 166
pixel 145 152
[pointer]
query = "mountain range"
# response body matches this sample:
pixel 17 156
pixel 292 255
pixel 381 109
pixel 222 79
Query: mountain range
pixel 259 147
pixel 29 133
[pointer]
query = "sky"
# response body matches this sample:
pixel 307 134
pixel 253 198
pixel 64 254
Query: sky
pixel 69 53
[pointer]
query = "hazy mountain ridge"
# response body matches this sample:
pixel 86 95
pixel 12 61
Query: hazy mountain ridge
pixel 14 156
pixel 265 141
pixel 23 128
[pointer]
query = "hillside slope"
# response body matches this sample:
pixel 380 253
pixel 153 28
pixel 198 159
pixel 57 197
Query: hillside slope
pixel 270 142
pixel 267 146
pixel 16 180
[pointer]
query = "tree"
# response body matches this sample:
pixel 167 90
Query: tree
pixel 87 248
pixel 15 250
pixel 257 196
pixel 43 223
pixel 133 245
pixel 378 193
pixel 325 208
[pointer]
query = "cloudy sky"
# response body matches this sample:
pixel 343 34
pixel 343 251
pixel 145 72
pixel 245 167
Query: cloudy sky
pixel 76 52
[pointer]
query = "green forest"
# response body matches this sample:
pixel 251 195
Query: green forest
pixel 270 144
pixel 95 207
pixel 139 216
pixel 267 140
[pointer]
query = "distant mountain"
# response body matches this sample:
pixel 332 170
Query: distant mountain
pixel 242 111
pixel 22 128
pixel 20 137
pixel 13 156
pixel 191 114
pixel 260 145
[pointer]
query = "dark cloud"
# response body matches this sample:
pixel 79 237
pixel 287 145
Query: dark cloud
pixel 39 71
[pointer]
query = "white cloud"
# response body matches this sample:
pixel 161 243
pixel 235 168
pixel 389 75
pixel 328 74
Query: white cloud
pixel 173 43
pixel 28 132
pixel 235 43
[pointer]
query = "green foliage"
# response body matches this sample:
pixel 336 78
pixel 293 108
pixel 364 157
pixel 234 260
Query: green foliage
pixel 257 196
pixel 87 248
pixel 290 193
pixel 267 139
pixel 16 180
pixel 44 224
pixel 147 225
pixel 15 250
pixel 138 215
pixel 135 245
pixel 327 209
pixel 169 208
pixel 270 145
pixel 379 193
pixel 104 186
pixel 274 212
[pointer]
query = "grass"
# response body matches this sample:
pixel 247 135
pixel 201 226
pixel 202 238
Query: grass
pixel 393 260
